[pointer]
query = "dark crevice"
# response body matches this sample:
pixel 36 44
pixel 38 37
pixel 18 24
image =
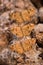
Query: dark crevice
pixel 39 21
pixel 42 2
pixel 3 63
pixel 33 35
pixel 36 3
pixel 41 55
pixel 39 44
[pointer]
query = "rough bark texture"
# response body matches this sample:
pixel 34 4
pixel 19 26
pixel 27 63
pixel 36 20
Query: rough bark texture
pixel 21 32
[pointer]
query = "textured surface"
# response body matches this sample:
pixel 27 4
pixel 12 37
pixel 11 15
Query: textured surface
pixel 21 32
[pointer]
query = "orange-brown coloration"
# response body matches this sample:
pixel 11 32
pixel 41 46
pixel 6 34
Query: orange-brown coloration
pixel 16 30
pixel 25 15
pixel 27 29
pixel 17 47
pixel 31 11
pixel 3 40
pixel 22 46
pixel 28 43
pixel 2 43
pixel 19 31
pixel 16 16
